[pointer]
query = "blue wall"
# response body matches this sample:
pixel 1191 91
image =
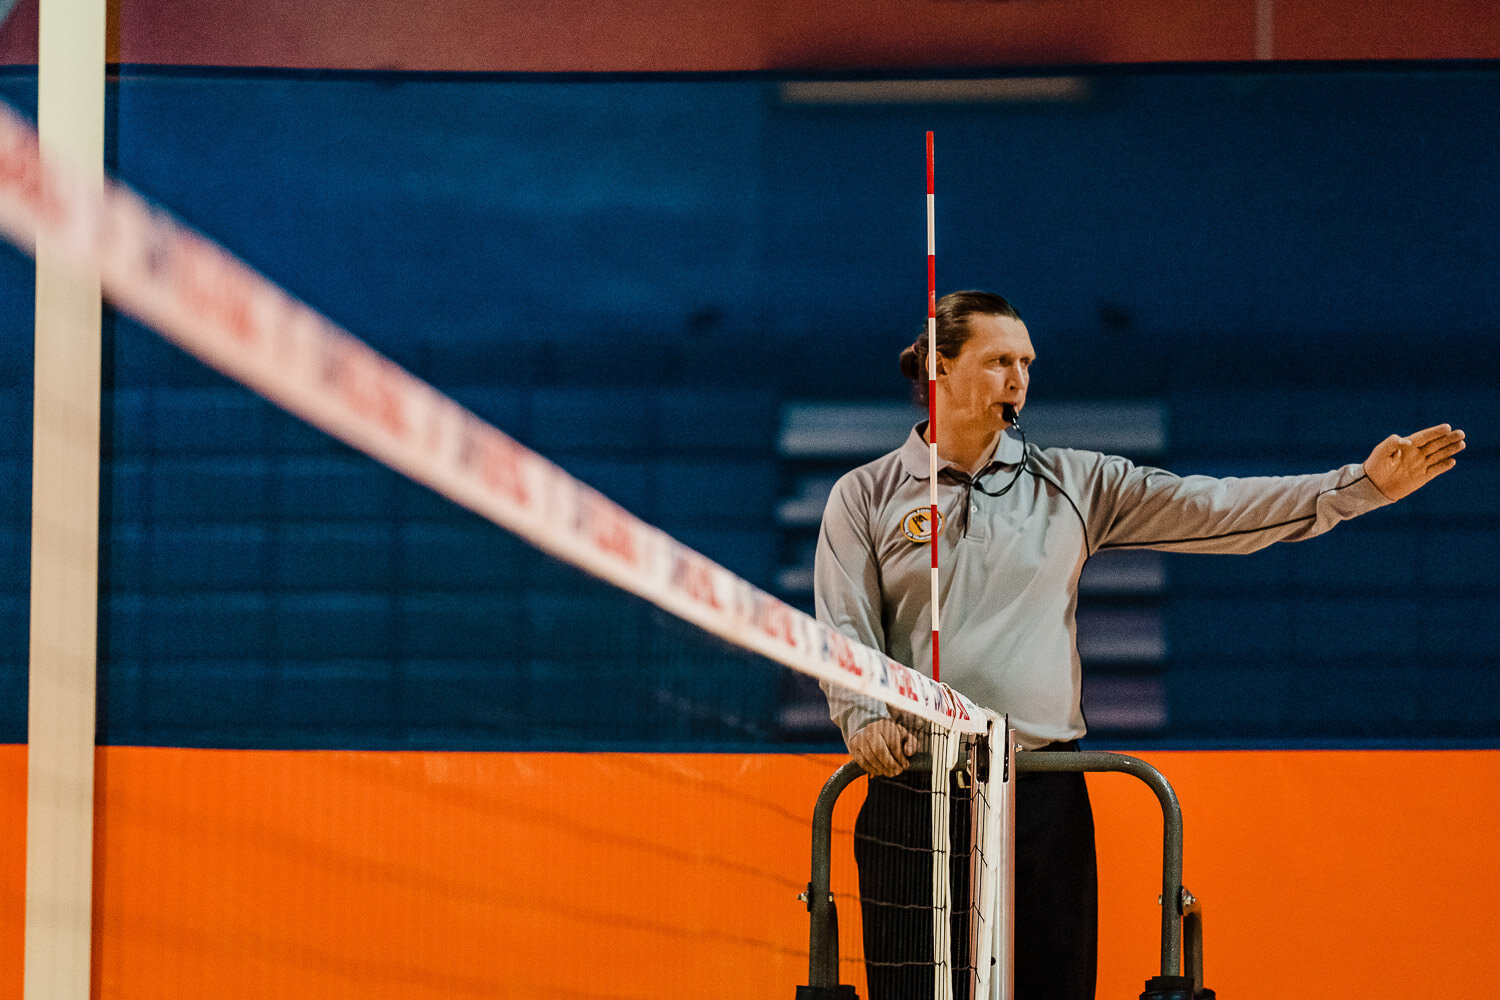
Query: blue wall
pixel 631 276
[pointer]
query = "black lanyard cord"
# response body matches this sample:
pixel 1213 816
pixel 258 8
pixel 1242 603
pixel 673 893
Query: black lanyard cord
pixel 971 483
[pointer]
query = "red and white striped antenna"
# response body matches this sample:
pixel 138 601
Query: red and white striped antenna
pixel 932 447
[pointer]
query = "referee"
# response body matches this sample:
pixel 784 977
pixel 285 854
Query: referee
pixel 1016 524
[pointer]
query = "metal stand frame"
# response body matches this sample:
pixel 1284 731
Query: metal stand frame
pixel 823 944
pixel 1181 919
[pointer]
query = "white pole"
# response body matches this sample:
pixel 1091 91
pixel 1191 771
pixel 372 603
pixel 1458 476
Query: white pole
pixel 1265 29
pixel 64 531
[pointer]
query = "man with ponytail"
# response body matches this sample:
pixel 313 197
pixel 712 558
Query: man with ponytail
pixel 1017 522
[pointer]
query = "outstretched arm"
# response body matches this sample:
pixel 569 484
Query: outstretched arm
pixel 1136 507
pixel 1399 466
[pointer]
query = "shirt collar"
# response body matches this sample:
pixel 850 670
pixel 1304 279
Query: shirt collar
pixel 916 460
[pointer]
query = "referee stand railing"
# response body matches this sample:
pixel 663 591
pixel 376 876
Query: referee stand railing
pixel 1181 976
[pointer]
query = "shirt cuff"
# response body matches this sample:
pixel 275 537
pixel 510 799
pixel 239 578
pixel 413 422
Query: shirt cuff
pixel 1361 495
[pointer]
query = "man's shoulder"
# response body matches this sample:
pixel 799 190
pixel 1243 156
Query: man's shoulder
pixel 1071 463
pixel 877 477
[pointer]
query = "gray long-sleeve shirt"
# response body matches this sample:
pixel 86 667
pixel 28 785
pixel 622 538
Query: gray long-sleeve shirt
pixel 1009 564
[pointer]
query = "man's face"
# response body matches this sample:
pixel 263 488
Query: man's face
pixel 992 369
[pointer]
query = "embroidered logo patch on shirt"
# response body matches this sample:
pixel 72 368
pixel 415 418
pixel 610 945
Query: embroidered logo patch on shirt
pixel 917 525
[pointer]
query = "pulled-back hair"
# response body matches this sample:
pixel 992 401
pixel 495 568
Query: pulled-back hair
pixel 953 312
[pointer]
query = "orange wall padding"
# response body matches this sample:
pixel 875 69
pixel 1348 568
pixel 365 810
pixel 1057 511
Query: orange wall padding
pixel 1321 873
pixel 12 868
pixel 234 874
pixel 239 874
pixel 689 35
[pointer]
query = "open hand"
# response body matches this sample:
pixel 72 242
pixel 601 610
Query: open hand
pixel 1400 466
pixel 884 747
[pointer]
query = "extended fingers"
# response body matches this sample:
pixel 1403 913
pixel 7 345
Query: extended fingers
pixel 1400 465
pixel 1428 434
pixel 1429 447
pixel 1437 468
pixel 1440 441
pixel 1444 449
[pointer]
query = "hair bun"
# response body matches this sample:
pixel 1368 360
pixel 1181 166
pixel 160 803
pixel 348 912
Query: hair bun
pixel 912 364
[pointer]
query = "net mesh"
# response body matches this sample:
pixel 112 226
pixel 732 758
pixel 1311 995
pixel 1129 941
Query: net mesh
pixel 269 592
pixel 923 869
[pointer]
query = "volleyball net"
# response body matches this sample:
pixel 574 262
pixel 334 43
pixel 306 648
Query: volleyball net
pixel 650 628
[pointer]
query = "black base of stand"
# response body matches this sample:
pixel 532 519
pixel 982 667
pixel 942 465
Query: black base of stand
pixel 1174 988
pixel 840 992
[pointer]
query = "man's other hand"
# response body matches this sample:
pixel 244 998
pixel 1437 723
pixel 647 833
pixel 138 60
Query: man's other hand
pixel 1399 466
pixel 884 747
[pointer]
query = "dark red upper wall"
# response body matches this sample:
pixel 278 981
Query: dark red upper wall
pixel 682 35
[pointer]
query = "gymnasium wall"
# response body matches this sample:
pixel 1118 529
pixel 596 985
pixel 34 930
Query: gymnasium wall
pixel 633 277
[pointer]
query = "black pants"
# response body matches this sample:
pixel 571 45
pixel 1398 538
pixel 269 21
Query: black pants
pixel 893 850
pixel 1056 949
